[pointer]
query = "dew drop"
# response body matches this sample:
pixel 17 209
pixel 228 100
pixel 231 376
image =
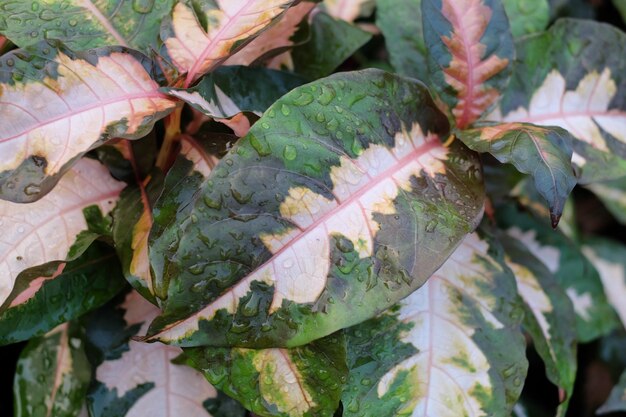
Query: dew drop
pixel 303 100
pixel 285 109
pixel 32 189
pixel 34 6
pixel 73 22
pixel 290 153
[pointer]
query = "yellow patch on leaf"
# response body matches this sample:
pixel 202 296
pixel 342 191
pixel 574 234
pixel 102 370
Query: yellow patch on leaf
pixel 140 263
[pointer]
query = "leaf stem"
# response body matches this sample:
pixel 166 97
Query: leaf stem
pixel 172 136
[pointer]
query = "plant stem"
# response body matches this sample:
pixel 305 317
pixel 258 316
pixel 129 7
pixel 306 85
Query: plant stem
pixel 172 136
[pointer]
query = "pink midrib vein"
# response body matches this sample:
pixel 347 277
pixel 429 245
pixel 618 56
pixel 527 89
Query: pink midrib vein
pixel 104 22
pixel 406 160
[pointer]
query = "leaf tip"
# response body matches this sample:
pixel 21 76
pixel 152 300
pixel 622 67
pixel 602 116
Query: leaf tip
pixel 555 218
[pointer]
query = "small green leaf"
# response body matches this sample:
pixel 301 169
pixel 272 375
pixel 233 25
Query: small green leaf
pixel 427 357
pixel 85 24
pixel 52 375
pixel 331 43
pixel 330 210
pixel 299 382
pixel 401 24
pixel 617 400
pixel 527 16
pixel 470 54
pixel 544 153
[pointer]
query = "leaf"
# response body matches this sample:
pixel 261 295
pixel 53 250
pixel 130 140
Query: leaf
pixel 331 43
pixel 579 85
pixel 39 302
pixel 609 258
pixel 470 49
pixel 544 153
pixel 347 10
pixel 617 401
pixel 62 104
pixel 137 379
pixel 620 5
pixel 197 44
pixel 50 227
pixel 52 375
pixel 278 38
pixel 85 24
pixel 527 17
pixel 401 24
pixel 304 381
pixel 229 91
pixel 452 348
pixel 613 196
pixel 567 264
pixel 360 192
pixel 549 317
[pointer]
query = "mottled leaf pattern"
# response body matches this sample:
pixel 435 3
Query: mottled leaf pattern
pixel 549 317
pixel 360 195
pixel 617 400
pixel 298 382
pixel 544 153
pixel 401 24
pixel 52 375
pixel 425 356
pixel 579 85
pixel 470 49
pixel 527 16
pixel 85 24
pixel 196 48
pixel 46 231
pixel 137 379
pixel 63 104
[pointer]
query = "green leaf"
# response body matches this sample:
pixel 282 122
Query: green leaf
pixel 348 171
pixel 609 258
pixel 401 24
pixel 527 16
pixel 40 302
pixel 57 228
pixel 620 5
pixel 470 51
pixel 229 91
pixel 617 400
pixel 62 104
pixel 549 317
pixel 304 381
pixel 578 84
pixel 200 35
pixel 85 24
pixel 331 43
pixel 133 378
pixel 613 195
pixel 544 153
pixel 52 375
pixel 452 348
pixel 567 264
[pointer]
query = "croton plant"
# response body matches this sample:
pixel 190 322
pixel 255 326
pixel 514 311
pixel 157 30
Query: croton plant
pixel 204 215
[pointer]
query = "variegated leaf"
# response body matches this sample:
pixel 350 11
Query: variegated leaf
pixel 196 44
pixel 228 91
pixel 47 230
pixel 331 42
pixel 617 400
pixel 52 375
pixel 330 210
pixel 41 300
pixel 580 85
pixel 85 24
pixel 544 153
pixel 62 104
pixel 401 24
pixel 301 382
pixel 609 258
pixel 134 379
pixel 528 16
pixel 567 264
pixel 348 10
pixel 452 348
pixel 470 51
pixel 613 195
pixel 549 317
pixel 271 47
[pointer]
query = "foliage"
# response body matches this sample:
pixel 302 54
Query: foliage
pixel 203 217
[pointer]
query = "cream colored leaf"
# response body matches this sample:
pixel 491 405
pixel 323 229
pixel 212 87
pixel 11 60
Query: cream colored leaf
pixel 348 10
pixel 44 231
